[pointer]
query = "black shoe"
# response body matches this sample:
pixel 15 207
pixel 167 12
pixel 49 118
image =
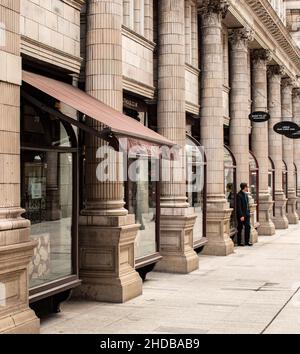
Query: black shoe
pixel 249 244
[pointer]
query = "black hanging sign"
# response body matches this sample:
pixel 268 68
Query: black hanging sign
pixel 286 128
pixel 295 135
pixel 259 117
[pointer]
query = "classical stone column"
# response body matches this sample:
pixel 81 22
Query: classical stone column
pixel 188 32
pixel 149 19
pixel 195 49
pixel 106 232
pixel 16 247
pixel 288 150
pixel 296 143
pixel 239 105
pixel 259 139
pixel 212 136
pixel 275 73
pixel 177 218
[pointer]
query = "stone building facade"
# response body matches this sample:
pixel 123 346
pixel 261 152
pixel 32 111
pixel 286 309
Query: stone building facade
pixel 191 70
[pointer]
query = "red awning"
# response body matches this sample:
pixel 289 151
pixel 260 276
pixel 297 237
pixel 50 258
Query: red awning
pixel 120 124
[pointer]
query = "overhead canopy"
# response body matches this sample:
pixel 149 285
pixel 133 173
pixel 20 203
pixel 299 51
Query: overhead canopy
pixel 118 123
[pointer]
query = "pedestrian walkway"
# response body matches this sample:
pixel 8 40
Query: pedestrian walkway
pixel 255 290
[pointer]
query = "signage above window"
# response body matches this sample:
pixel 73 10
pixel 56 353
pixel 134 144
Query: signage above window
pixel 259 117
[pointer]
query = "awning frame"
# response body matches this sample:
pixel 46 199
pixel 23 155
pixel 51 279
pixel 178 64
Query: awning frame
pixel 105 134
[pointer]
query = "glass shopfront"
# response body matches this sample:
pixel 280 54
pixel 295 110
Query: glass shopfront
pixel 230 187
pixel 285 179
pixel 254 184
pixel 49 195
pixel 143 200
pixel 271 181
pixel 196 188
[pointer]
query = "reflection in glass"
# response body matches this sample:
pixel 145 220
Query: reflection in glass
pixel 254 184
pixel 230 186
pixel 141 201
pixel 47 199
pixel 195 185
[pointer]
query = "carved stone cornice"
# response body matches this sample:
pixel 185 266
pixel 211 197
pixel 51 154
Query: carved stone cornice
pixel 276 71
pixel 207 7
pixel 261 56
pixel 240 37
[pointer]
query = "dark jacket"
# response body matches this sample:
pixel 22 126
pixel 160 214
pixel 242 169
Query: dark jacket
pixel 242 205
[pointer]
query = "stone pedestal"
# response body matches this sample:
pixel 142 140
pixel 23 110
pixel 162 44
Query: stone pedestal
pixel 107 262
pixel 176 241
pixel 254 233
pixel 280 220
pixel 218 229
pixel 292 214
pixel 266 226
pixel 16 250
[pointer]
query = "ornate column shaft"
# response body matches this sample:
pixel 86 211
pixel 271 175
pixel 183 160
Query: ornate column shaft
pixel 239 105
pixel 259 139
pixel 188 32
pixel 177 219
pixel 296 143
pixel 149 19
pixel 288 150
pixel 106 232
pixel 16 247
pixel 212 136
pixel 275 74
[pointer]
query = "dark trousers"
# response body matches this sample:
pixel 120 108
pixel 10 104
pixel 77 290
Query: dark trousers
pixel 247 225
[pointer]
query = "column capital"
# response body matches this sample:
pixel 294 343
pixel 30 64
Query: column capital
pixel 261 55
pixel 276 70
pixel 207 7
pixel 240 37
pixel 296 93
pixel 288 82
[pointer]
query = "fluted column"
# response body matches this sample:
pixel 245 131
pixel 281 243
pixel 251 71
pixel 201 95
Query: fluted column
pixel 212 136
pixel 239 106
pixel 149 19
pixel 259 139
pixel 177 219
pixel 106 232
pixel 288 150
pixel 296 143
pixel 195 49
pixel 16 247
pixel 188 32
pixel 275 74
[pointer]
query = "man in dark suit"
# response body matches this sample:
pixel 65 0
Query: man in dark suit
pixel 243 215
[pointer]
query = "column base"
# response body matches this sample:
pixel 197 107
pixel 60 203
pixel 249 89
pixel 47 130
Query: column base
pixel 280 220
pixel 24 322
pixel 176 241
pixel 107 261
pixel 292 214
pixel 218 228
pixel 266 225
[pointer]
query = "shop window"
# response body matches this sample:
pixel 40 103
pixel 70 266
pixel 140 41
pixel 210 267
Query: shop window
pixel 48 195
pixel 230 187
pixel 271 181
pixel 285 179
pixel 254 184
pixel 196 187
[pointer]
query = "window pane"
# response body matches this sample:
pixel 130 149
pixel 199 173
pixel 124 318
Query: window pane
pixel 47 198
pixel 142 203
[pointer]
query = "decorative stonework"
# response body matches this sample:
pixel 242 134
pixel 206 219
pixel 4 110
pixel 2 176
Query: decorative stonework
pixel 207 7
pixel 240 38
pixel 261 56
pixel 276 70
